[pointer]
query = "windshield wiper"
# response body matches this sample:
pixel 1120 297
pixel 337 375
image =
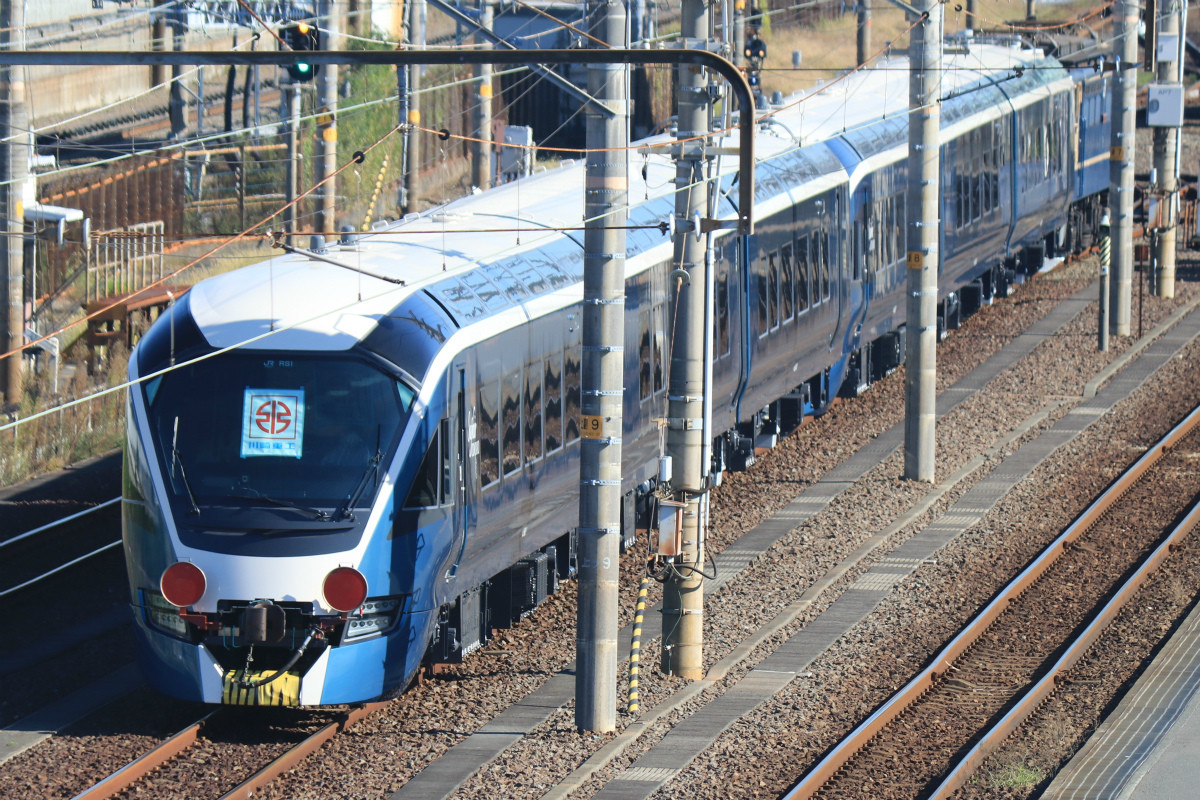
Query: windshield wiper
pixel 177 460
pixel 256 495
pixel 346 511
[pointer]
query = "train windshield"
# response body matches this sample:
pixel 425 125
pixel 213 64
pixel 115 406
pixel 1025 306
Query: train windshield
pixel 308 436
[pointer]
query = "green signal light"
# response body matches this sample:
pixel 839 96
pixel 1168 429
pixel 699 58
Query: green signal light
pixel 301 37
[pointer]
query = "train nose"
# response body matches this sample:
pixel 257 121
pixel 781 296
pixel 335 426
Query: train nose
pixel 263 623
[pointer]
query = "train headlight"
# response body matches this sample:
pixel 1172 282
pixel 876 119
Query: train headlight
pixel 374 616
pixel 183 584
pixel 345 589
pixel 162 615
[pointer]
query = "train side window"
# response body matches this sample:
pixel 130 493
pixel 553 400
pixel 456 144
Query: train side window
pixel 645 366
pixel 763 313
pixel 976 174
pixel 889 243
pixel 424 491
pixel 510 409
pixel 446 493
pixel 823 262
pixel 489 433
pixel 553 388
pixel 533 413
pixel 773 289
pixel 802 273
pixel 657 317
pixel 722 321
pixel 788 289
pixel 960 196
pixel 572 372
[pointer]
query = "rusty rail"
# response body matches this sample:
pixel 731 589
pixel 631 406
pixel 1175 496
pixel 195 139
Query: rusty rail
pixel 252 785
pixel 828 767
pixel 1029 703
pixel 137 769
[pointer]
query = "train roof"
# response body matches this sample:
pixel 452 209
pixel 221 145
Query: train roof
pixel 517 250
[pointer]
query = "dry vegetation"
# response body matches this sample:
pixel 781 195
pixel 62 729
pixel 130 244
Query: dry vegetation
pixel 829 47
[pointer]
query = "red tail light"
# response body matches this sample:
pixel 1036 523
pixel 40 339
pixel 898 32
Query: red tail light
pixel 345 589
pixel 182 584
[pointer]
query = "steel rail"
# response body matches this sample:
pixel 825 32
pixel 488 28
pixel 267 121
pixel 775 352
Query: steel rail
pixel 255 783
pixel 668 57
pixel 140 767
pixel 828 767
pixel 57 522
pixel 137 769
pixel 1034 697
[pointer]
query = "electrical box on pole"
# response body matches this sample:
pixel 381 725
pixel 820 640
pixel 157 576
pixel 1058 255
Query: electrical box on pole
pixel 302 37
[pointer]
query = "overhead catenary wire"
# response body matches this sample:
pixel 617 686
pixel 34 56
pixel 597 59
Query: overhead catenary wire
pixel 236 237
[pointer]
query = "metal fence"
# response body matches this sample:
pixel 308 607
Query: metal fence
pixel 124 260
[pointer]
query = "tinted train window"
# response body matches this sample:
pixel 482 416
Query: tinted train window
pixel 574 393
pixel 722 320
pixel 773 282
pixel 763 314
pixel 533 414
pixel 788 289
pixel 553 389
pixel 510 408
pixel 489 433
pixel 424 489
pixel 299 427
pixel 657 316
pixel 802 273
pixel 821 257
pixel 644 355
pixel 431 486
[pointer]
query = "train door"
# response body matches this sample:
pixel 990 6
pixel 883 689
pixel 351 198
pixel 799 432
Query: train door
pixel 462 468
pixel 834 226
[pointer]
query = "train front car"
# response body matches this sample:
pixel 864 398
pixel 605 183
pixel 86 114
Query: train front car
pixel 260 462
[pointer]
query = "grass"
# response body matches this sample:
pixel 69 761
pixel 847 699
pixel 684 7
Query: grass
pixel 1017 774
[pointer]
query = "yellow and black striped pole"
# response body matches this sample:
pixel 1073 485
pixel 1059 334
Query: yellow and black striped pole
pixel 635 645
pixel 1105 260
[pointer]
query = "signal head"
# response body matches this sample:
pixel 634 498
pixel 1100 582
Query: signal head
pixel 302 37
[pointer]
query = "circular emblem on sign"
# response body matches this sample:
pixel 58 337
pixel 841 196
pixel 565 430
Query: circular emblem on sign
pixel 273 416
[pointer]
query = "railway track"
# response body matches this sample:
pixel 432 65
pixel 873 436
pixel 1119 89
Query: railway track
pixel 171 754
pixel 927 740
pixel 449 700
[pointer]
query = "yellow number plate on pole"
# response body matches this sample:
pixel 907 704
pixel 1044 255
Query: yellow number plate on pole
pixel 590 426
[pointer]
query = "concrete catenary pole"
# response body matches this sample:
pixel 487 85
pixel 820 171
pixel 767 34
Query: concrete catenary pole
pixel 606 189
pixel 327 132
pixel 924 176
pixel 481 161
pixel 1120 171
pixel 973 21
pixel 14 168
pixel 683 591
pixel 1166 165
pixel 412 139
pixel 864 31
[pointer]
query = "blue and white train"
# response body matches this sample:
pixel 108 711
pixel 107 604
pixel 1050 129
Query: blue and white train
pixel 334 476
